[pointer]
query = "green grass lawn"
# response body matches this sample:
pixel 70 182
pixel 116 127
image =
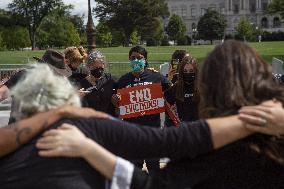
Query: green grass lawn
pixel 155 54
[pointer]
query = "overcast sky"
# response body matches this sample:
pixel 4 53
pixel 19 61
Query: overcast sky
pixel 80 6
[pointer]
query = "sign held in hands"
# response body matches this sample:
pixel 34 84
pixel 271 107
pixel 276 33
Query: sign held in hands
pixel 141 100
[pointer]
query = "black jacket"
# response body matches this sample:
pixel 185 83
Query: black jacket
pixel 100 96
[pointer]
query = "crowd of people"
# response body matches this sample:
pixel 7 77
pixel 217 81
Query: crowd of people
pixel 229 132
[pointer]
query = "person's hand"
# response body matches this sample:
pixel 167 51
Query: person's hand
pixel 67 141
pixel 76 112
pixel 171 73
pixel 4 92
pixel 153 70
pixel 82 92
pixel 266 118
pixel 115 100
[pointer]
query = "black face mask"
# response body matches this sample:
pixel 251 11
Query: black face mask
pixel 189 77
pixel 97 73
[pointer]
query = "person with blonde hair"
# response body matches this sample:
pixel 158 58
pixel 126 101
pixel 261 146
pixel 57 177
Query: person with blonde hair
pixel 75 56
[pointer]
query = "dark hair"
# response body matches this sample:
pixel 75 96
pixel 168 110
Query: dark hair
pixel 141 50
pixel 180 82
pixel 234 75
pixel 178 54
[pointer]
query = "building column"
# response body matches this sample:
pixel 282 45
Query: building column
pixel 242 7
pixel 228 6
pixel 258 6
pixel 231 6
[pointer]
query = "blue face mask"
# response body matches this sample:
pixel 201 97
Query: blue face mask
pixel 137 65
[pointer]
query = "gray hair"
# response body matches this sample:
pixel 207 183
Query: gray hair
pixel 94 55
pixel 41 90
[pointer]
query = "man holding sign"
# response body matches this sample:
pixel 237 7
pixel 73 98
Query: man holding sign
pixel 141 94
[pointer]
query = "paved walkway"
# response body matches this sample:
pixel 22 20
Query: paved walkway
pixel 4 118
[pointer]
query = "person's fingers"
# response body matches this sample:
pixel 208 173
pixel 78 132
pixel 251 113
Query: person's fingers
pixel 50 153
pixel 257 129
pixel 46 139
pixel 65 126
pixel 255 109
pixel 252 119
pixel 44 145
pixel 271 103
pixel 51 132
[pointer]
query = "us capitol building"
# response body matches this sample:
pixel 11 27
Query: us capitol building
pixel 233 10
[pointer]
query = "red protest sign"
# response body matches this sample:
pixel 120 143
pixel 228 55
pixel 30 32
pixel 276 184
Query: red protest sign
pixel 141 100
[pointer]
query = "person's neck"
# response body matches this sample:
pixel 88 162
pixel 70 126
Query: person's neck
pixel 137 74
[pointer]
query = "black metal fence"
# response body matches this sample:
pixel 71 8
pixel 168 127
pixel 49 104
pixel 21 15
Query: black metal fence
pixel 115 68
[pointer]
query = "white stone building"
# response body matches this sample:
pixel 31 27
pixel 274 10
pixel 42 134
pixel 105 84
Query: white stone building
pixel 191 10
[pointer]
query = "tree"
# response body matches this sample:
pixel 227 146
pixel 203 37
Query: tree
pixel 103 35
pixel 78 22
pixel 153 30
pixel 134 38
pixel 245 30
pixel 2 45
pixel 33 12
pixel 58 30
pixel 176 28
pixel 16 37
pixel 211 26
pixel 130 15
pixel 276 7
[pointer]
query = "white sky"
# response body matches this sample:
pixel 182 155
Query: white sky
pixel 80 6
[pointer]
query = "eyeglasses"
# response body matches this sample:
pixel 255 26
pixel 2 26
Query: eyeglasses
pixel 136 57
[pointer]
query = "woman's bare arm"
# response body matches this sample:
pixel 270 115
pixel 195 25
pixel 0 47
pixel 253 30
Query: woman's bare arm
pixel 15 135
pixel 226 130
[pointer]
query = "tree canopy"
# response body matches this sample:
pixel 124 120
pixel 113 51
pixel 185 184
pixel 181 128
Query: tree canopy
pixel 130 15
pixel 245 29
pixel 33 12
pixel 211 26
pixel 176 28
pixel 276 7
pixel 58 30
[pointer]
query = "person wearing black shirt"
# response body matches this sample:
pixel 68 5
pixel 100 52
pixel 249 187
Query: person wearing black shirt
pixel 184 93
pixel 140 75
pixel 98 87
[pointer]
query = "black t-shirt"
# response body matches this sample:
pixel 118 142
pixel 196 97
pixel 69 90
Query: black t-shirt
pixel 75 79
pixel 234 166
pixel 25 169
pixel 100 96
pixel 147 77
pixel 187 109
